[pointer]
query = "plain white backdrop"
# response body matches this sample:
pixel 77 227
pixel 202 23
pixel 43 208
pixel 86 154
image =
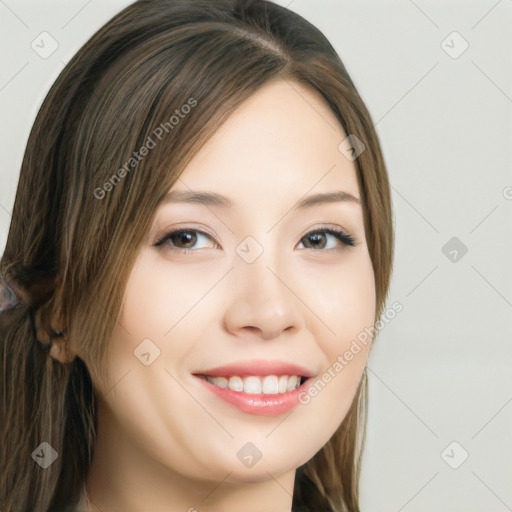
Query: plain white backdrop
pixel 437 79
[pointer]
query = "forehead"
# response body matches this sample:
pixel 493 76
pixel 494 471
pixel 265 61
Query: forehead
pixel 283 141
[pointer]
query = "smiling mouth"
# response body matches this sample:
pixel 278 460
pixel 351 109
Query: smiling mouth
pixel 254 384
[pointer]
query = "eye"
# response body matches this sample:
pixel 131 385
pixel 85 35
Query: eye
pixel 318 239
pixel 185 240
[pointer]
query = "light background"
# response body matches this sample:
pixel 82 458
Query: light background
pixel 441 369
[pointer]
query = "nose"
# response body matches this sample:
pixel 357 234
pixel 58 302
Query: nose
pixel 262 302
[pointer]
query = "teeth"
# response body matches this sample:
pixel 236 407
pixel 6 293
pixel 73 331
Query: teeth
pixel 283 382
pixel 235 383
pixel 292 382
pixel 252 385
pixel 222 382
pixel 268 385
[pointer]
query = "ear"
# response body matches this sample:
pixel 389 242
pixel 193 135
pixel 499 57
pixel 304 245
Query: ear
pixel 51 333
pixel 60 349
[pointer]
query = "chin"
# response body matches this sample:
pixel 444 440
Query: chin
pixel 258 473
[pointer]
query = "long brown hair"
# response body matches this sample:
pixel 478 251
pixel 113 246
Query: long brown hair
pixel 78 220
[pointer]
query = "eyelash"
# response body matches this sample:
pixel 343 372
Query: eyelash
pixel 343 237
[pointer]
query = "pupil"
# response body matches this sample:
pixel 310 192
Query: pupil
pixel 186 237
pixel 316 237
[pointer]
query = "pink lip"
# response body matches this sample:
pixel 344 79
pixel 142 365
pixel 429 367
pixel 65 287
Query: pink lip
pixel 258 368
pixel 263 405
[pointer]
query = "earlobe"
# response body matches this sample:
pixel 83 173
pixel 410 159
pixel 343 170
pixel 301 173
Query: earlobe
pixel 51 333
pixel 60 349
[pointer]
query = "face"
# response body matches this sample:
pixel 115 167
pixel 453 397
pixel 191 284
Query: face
pixel 260 290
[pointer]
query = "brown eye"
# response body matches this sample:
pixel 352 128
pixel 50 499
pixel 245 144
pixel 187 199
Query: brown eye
pixel 187 238
pixel 315 241
pixel 319 239
pixel 184 240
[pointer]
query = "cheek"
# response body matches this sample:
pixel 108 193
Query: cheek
pixel 355 299
pixel 353 322
pixel 160 296
pixel 161 317
pixel 345 302
pixel 342 298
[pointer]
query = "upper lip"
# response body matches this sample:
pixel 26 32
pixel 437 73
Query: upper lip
pixel 260 367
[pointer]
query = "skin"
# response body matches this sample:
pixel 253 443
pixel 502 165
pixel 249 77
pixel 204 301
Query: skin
pixel 165 442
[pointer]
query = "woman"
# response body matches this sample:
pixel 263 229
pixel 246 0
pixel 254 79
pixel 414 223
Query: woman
pixel 202 230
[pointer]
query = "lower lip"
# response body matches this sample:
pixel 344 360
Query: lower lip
pixel 263 405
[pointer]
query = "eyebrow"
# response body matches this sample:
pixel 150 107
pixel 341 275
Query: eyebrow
pixel 214 199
